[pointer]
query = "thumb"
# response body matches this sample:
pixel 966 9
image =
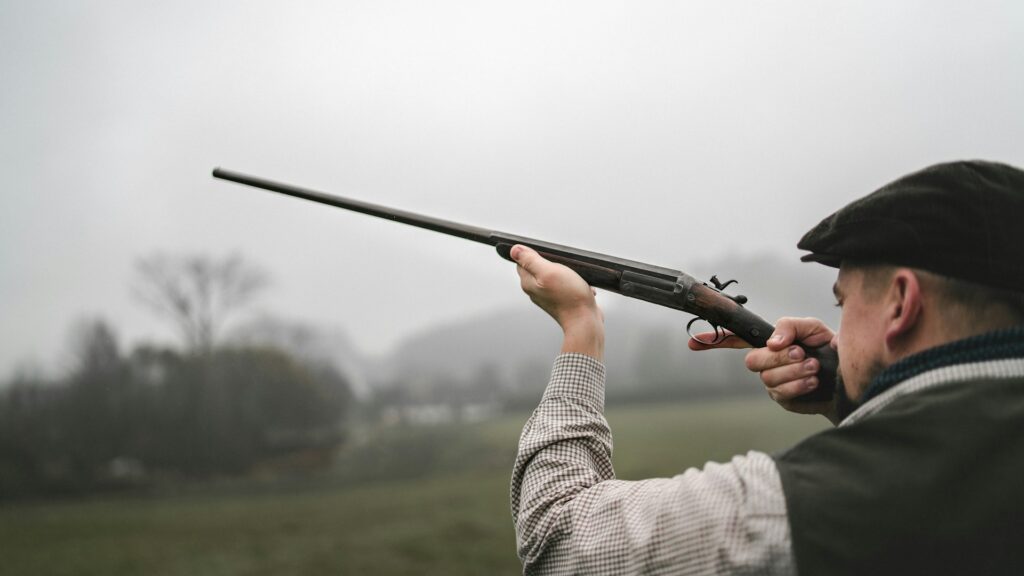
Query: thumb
pixel 526 257
pixel 809 331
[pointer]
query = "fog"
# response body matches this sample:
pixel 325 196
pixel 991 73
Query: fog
pixel 676 133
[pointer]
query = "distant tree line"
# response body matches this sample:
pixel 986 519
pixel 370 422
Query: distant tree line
pixel 156 414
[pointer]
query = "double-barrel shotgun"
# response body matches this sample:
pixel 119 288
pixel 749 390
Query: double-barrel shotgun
pixel 655 284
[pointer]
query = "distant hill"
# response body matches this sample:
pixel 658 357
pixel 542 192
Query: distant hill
pixel 646 344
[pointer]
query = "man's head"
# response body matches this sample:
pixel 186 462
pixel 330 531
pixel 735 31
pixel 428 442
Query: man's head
pixel 933 257
pixel 890 312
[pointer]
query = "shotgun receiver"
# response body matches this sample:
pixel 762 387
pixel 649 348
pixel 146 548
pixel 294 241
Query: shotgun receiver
pixel 654 284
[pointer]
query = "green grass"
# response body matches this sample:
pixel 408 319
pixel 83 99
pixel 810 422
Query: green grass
pixel 446 522
pixel 665 439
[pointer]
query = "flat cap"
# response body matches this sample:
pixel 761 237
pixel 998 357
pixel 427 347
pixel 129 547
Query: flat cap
pixel 960 219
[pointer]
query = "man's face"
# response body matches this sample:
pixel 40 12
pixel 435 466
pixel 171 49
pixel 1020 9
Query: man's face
pixel 861 336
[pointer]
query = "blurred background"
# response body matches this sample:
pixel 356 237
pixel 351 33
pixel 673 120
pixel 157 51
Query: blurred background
pixel 202 378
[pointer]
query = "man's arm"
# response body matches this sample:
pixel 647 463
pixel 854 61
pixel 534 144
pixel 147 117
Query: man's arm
pixel 572 516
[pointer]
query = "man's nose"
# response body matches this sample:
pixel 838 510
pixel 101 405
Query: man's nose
pixel 834 342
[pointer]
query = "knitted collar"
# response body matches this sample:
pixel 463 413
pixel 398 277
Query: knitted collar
pixel 997 345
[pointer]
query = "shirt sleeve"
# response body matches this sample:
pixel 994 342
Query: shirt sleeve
pixel 573 517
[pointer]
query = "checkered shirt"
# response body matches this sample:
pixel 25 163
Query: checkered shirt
pixel 573 517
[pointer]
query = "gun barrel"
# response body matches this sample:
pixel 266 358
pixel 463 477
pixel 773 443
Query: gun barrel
pixel 473 233
pixel 655 284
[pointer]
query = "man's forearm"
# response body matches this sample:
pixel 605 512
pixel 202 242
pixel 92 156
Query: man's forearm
pixel 565 448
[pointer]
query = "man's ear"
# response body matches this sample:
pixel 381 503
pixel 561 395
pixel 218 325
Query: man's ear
pixel 903 307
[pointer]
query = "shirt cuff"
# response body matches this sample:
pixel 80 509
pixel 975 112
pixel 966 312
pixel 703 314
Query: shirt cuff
pixel 579 377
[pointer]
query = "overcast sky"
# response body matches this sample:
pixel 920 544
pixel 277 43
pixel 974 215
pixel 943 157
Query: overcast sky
pixel 669 132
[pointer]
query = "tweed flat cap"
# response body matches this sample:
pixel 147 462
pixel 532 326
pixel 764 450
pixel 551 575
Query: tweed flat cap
pixel 960 219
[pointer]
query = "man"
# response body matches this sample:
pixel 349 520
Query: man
pixel 924 473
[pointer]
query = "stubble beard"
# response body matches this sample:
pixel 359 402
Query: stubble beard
pixel 845 406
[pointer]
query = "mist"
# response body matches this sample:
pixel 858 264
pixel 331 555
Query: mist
pixel 680 134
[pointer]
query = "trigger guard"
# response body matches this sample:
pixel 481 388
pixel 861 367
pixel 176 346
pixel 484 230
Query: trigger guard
pixel 719 334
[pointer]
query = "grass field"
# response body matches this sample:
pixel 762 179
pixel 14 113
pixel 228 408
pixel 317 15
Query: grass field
pixel 452 519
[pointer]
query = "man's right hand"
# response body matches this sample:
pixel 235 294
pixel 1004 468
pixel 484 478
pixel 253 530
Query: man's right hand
pixel 783 366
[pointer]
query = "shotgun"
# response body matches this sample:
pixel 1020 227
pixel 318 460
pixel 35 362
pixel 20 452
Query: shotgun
pixel 655 284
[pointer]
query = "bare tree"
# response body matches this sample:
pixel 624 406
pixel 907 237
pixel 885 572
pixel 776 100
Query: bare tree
pixel 197 292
